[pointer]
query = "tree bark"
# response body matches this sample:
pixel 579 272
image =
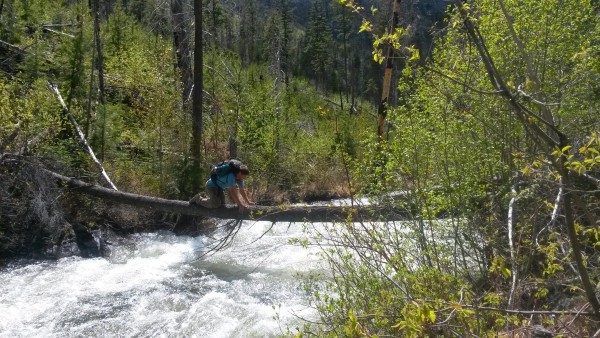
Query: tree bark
pixel 99 63
pixel 257 213
pixel 181 41
pixel 387 77
pixel 1 8
pixel 576 247
pixel 196 143
pixel 55 90
pixel 511 245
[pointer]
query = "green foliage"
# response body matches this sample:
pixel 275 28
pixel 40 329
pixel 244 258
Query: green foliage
pixel 33 109
pixel 588 157
pixel 319 40
pixel 456 149
pixel 283 133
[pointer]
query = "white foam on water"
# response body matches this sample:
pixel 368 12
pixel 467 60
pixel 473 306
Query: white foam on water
pixel 158 288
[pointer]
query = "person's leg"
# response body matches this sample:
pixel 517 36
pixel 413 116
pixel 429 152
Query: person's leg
pixel 196 199
pixel 222 197
pixel 214 200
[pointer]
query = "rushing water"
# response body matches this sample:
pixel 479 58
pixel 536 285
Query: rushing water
pixel 156 286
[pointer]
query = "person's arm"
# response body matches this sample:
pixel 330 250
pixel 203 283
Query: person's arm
pixel 234 192
pixel 245 196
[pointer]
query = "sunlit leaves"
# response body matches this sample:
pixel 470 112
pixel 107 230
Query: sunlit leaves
pixel 366 26
pixel 452 131
pixel 386 40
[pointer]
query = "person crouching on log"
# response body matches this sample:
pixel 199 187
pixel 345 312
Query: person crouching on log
pixel 228 175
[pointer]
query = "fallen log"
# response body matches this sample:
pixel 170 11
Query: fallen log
pixel 258 213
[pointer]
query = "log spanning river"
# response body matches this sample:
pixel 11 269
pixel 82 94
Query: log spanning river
pixel 155 285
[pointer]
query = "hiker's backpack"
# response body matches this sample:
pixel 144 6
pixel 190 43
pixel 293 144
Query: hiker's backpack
pixel 223 168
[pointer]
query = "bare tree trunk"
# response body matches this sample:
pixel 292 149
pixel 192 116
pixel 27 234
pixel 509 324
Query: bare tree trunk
pixel 55 90
pixel 100 68
pixel 90 96
pixel 387 77
pixel 77 62
pixel 576 249
pixel 531 74
pixel 182 43
pixel 511 245
pixel 196 144
pixel 215 36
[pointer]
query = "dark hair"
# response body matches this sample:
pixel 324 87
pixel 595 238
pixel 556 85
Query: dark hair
pixel 244 170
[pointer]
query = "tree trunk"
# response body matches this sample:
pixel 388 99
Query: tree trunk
pixel 387 77
pixel 576 247
pixel 285 48
pixel 196 144
pixel 100 68
pixel 181 41
pixel 257 213
pixel 86 145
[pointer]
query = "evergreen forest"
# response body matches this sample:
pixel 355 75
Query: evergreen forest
pixel 478 119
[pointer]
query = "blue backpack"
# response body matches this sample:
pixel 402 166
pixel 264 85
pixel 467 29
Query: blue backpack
pixel 224 168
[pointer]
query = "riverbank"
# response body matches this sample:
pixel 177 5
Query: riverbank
pixel 43 220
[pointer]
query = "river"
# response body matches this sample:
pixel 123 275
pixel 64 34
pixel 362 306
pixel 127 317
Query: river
pixel 157 285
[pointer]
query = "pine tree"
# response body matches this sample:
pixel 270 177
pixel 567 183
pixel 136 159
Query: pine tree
pixel 249 32
pixel 317 52
pixel 286 23
pixel 273 43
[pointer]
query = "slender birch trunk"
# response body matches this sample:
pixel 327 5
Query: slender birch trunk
pixel 55 90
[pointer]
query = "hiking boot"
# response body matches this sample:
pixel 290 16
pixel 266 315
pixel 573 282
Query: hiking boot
pixel 196 200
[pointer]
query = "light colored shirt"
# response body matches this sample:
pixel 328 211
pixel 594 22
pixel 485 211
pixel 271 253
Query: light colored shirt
pixel 225 182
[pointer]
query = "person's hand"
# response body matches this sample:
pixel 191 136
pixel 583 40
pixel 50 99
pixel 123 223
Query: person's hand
pixel 242 207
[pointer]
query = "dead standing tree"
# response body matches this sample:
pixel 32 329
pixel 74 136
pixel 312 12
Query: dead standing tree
pixel 196 142
pixel 99 65
pixel 387 77
pixel 191 81
pixel 181 42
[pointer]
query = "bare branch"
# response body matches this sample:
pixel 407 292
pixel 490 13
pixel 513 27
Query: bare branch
pixel 54 89
pixel 57 32
pixel 12 46
pixel 461 83
pixel 592 179
pixel 528 62
pixel 527 312
pixel 35 140
pixel 520 91
pixel 4 143
pixel 511 245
